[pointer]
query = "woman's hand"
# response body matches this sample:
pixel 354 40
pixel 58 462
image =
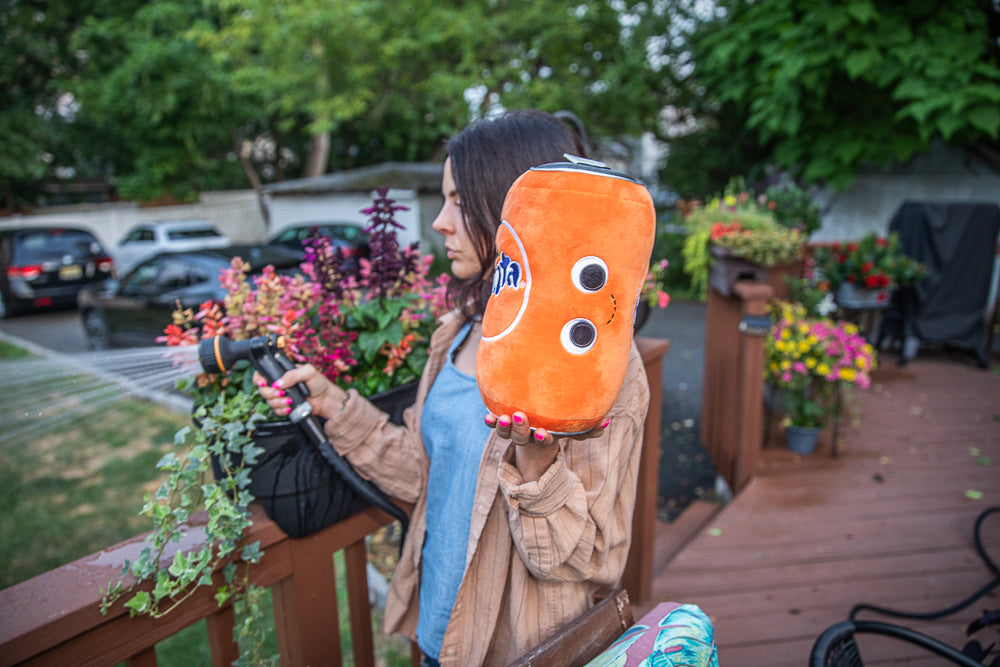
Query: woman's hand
pixel 536 447
pixel 325 397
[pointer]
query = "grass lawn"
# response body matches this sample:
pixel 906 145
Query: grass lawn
pixel 74 490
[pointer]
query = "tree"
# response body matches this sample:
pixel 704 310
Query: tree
pixel 162 107
pixel 829 88
pixel 175 96
pixel 34 58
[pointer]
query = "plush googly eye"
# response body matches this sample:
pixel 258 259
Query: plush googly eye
pixel 578 336
pixel 590 274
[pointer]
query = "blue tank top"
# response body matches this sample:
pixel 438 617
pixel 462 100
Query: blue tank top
pixel 454 435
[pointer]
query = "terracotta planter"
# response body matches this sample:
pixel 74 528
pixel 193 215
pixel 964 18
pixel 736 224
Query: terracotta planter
pixel 858 298
pixel 728 269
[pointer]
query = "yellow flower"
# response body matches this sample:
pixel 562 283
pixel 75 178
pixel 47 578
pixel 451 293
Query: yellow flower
pixel 861 362
pixel 810 363
pixel 730 200
pixel 812 339
pixel 785 364
pixel 785 334
pixel 803 346
pixel 803 328
pixel 779 345
pixel 823 369
pixel 847 374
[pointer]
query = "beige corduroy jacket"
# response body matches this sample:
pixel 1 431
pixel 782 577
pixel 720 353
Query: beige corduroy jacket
pixel 537 551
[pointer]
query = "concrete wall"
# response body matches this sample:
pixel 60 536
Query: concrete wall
pixel 236 214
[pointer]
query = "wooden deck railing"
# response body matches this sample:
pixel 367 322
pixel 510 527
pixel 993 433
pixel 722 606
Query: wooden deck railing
pixel 55 618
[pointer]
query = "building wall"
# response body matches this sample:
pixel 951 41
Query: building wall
pixel 868 204
pixel 236 214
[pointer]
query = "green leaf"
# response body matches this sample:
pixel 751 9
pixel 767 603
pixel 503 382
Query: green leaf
pixel 859 62
pixel 949 122
pixel 985 118
pixel 862 12
pixel 139 603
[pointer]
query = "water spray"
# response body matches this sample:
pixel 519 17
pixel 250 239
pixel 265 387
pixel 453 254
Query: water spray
pixel 266 353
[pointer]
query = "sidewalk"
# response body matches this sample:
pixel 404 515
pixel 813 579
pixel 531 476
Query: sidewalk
pixel 686 470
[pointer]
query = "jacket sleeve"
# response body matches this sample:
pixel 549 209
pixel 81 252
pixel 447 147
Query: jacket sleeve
pixel 391 456
pixel 575 522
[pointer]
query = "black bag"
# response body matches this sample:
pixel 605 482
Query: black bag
pixel 298 489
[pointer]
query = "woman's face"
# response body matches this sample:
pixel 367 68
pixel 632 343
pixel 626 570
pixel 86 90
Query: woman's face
pixel 465 262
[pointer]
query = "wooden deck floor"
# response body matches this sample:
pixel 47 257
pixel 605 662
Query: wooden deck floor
pixel 888 522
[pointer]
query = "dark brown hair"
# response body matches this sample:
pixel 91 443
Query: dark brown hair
pixel 486 158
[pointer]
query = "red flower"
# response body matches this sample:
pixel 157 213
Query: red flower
pixel 871 282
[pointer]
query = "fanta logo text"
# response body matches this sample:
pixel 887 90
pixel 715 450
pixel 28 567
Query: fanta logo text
pixel 507 273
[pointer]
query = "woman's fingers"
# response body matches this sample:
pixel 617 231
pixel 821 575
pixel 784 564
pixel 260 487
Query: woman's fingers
pixel 518 430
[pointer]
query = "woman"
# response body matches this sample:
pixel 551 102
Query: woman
pixel 512 530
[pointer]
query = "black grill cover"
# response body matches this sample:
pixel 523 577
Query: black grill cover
pixel 957 244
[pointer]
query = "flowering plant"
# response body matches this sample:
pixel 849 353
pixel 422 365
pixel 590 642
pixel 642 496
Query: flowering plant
pixel 871 263
pixel 653 291
pixel 744 226
pixel 810 359
pixel 367 330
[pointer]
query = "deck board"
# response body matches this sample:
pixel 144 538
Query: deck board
pixel 887 522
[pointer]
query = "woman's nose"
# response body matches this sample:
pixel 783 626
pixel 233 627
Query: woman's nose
pixel 441 224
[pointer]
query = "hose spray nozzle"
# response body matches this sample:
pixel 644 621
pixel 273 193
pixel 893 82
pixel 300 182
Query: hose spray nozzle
pixel 219 354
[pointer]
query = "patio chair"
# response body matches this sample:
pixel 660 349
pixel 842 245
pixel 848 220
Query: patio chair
pixel 837 647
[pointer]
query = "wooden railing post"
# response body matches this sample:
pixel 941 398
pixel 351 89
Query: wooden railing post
pixel 638 576
pixel 732 410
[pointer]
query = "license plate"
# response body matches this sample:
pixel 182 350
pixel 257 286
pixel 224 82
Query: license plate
pixel 71 272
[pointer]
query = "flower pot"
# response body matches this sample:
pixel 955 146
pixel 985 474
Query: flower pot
pixel 728 269
pixel 801 439
pixel 297 488
pixel 858 298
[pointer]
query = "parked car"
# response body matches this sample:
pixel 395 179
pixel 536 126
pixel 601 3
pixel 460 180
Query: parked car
pixel 148 238
pixel 47 266
pixel 133 310
pixel 350 238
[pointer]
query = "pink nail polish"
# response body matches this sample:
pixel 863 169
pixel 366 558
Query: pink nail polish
pixel 263 383
pixel 605 424
pixel 275 385
pixel 288 401
pixel 539 437
pixel 517 419
pixel 489 419
pixel 286 410
pixel 503 423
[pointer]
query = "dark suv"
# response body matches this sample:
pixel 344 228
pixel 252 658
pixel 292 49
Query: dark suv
pixel 43 267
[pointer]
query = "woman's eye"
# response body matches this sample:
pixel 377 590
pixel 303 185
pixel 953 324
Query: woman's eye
pixel 590 274
pixel 578 336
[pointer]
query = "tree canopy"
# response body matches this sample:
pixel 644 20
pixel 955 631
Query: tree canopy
pixel 170 97
pixel 177 96
pixel 829 88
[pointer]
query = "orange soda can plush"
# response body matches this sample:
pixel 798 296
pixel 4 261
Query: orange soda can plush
pixel 573 250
